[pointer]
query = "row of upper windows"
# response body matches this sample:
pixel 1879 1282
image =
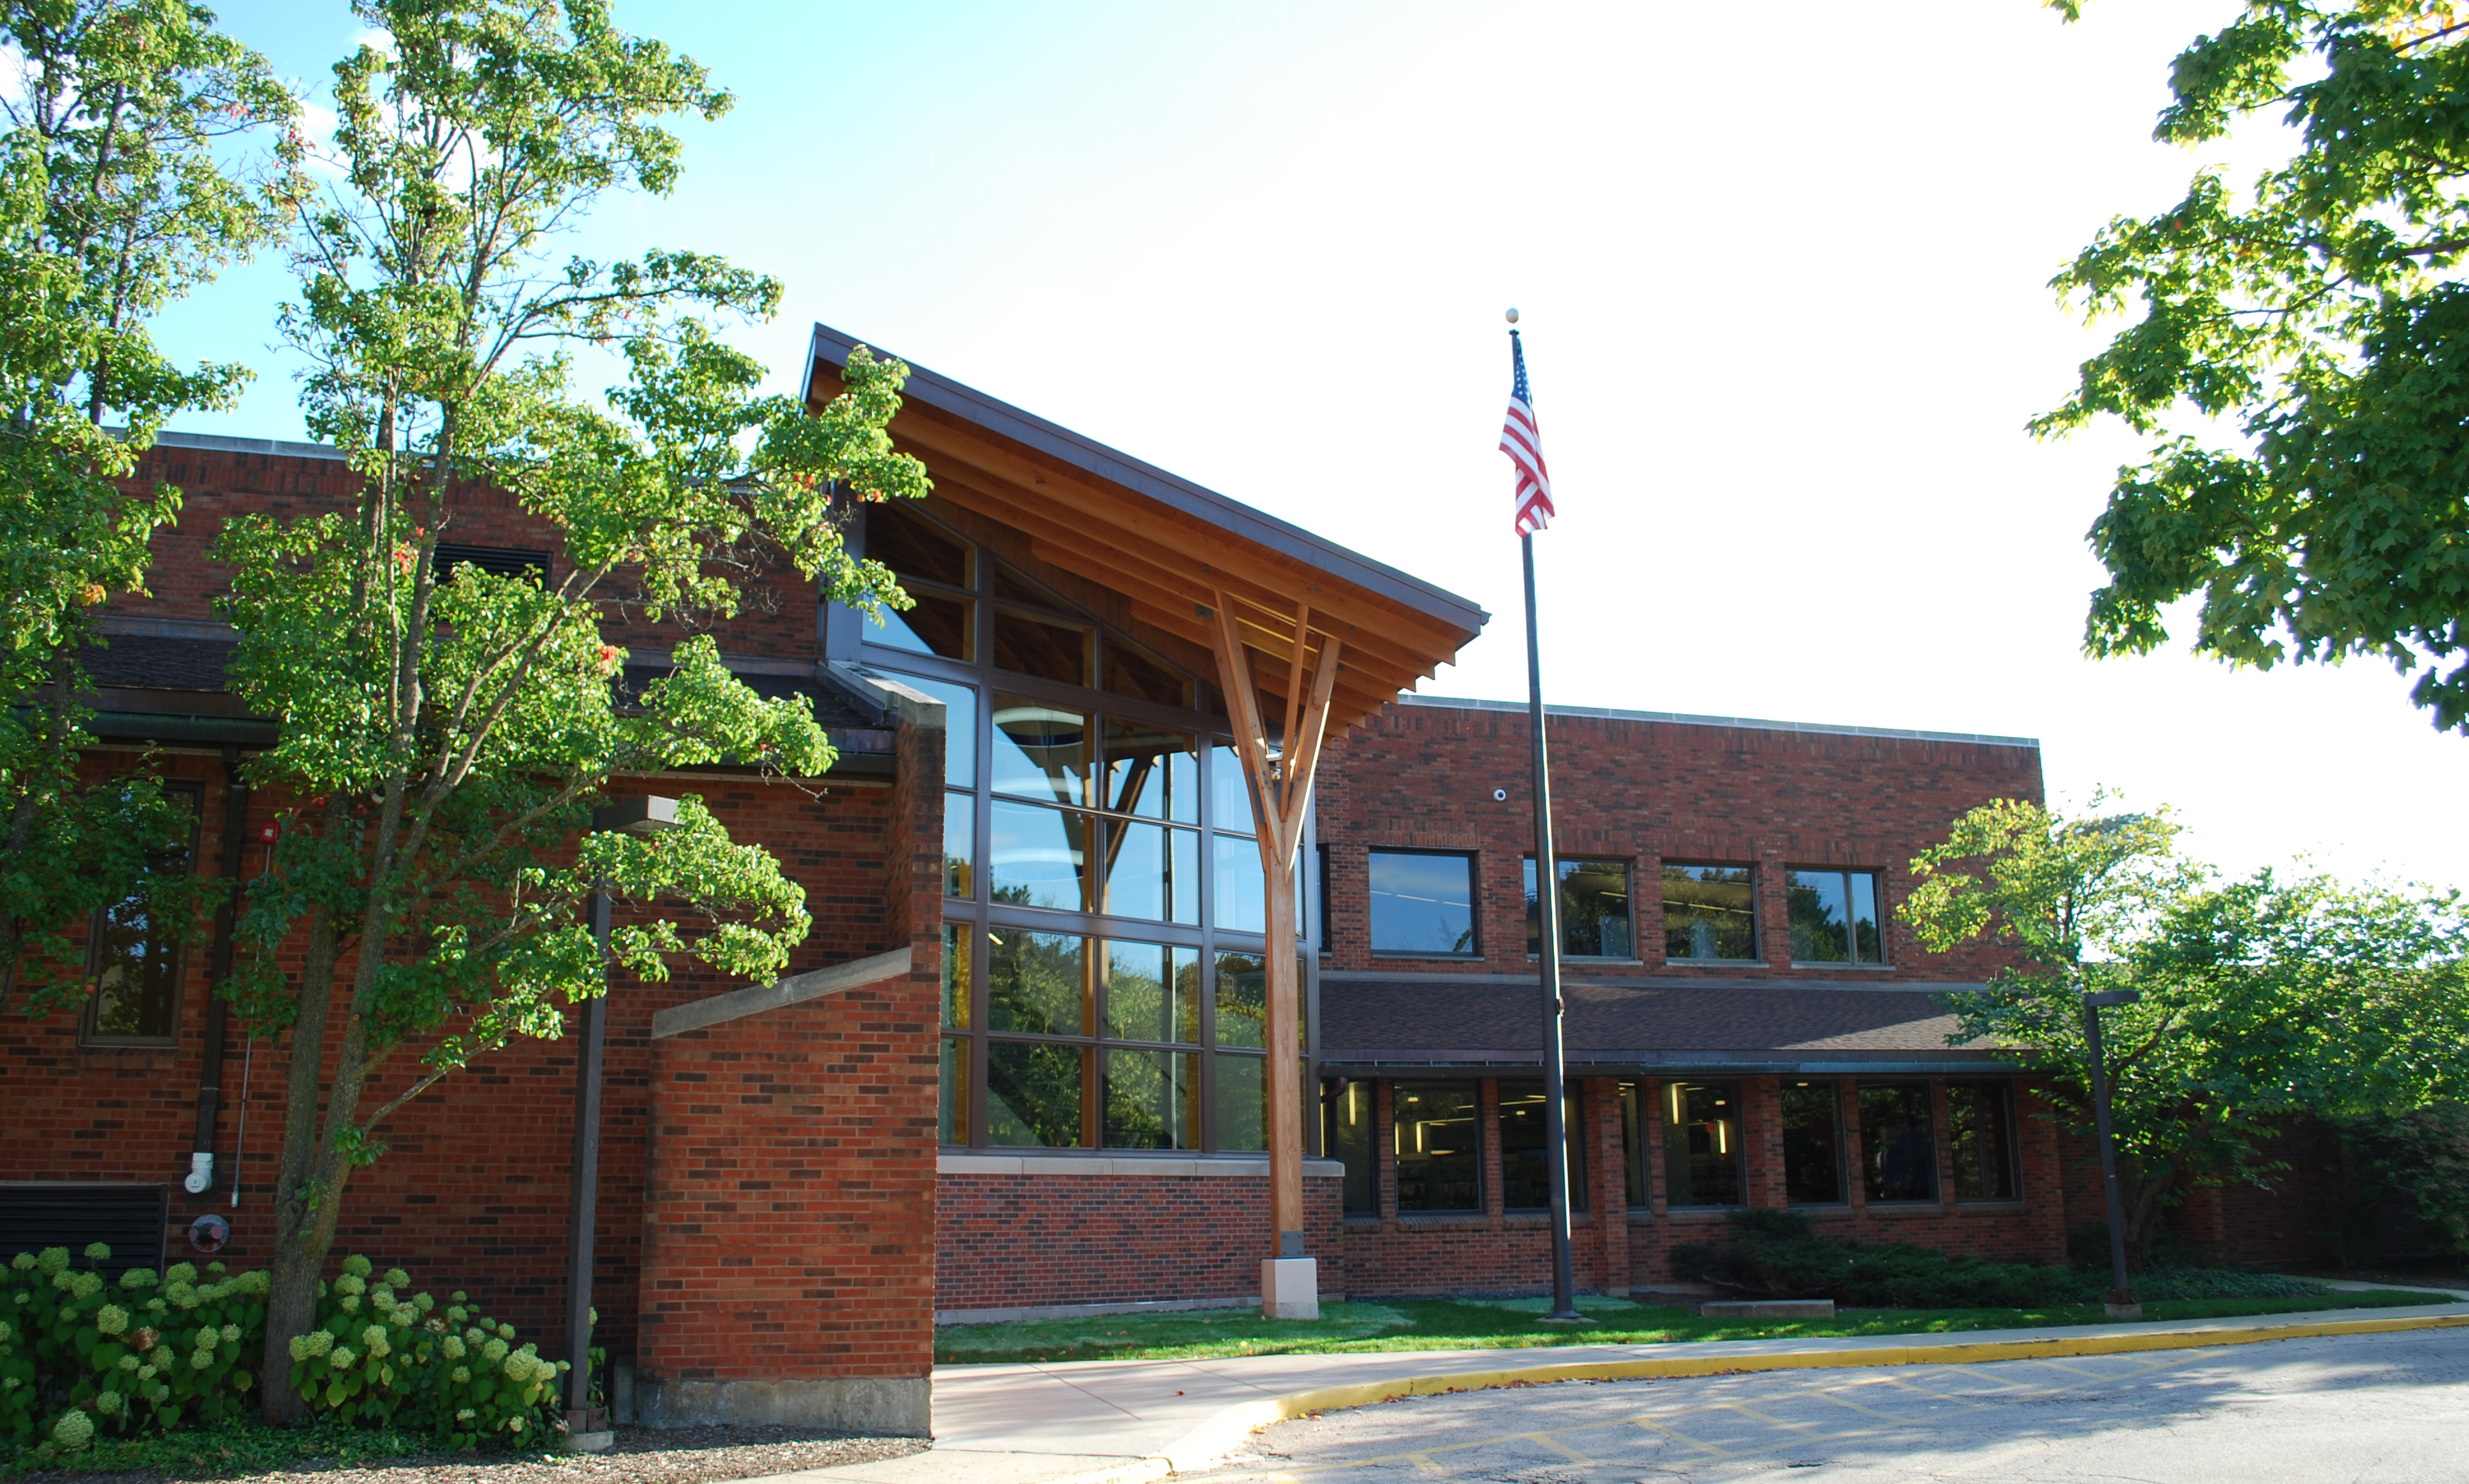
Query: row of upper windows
pixel 1890 1146
pixel 1423 905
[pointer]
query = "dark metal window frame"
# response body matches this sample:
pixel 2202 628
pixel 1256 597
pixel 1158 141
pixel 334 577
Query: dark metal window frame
pixel 1757 916
pixel 2004 1089
pixel 87 1033
pixel 1474 903
pixel 1629 873
pixel 979 914
pixel 1851 935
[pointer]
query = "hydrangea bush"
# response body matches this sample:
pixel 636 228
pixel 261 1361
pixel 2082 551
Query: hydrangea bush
pixel 378 1357
pixel 82 1355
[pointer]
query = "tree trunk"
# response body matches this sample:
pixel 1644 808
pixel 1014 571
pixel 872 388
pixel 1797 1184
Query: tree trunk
pixel 301 1238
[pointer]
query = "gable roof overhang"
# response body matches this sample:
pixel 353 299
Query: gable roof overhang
pixel 1166 545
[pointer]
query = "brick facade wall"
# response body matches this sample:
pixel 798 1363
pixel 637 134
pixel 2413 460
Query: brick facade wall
pixel 1036 1239
pixel 1422 777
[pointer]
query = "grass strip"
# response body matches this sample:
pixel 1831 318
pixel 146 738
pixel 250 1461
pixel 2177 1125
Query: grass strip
pixel 1510 1324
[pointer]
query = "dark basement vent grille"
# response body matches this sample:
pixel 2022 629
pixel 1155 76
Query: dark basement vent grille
pixel 129 1219
pixel 496 560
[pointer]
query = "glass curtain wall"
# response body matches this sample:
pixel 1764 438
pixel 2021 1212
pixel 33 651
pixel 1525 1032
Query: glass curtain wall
pixel 1103 986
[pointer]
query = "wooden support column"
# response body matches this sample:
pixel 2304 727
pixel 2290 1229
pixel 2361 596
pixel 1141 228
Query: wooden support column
pixel 1282 795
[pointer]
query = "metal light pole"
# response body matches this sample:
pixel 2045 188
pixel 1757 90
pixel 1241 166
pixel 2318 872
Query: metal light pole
pixel 647 815
pixel 2121 1298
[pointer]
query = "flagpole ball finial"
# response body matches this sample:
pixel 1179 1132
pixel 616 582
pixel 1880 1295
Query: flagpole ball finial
pixel 1513 316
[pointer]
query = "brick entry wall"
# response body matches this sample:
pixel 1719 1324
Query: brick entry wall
pixel 1026 1232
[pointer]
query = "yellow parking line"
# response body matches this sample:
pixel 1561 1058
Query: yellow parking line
pixel 1560 1447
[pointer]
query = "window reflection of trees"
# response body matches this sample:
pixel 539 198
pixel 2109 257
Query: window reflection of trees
pixel 1709 912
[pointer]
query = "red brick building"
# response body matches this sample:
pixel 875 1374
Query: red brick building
pixel 1024 1062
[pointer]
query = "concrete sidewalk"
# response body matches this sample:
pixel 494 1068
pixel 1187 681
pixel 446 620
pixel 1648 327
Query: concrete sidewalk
pixel 1126 1421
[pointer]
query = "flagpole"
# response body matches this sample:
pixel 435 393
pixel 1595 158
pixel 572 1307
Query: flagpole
pixel 1547 893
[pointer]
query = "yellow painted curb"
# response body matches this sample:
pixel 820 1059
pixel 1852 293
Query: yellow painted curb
pixel 1204 1445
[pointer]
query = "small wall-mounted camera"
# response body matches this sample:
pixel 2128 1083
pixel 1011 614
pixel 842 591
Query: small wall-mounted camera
pixel 1500 795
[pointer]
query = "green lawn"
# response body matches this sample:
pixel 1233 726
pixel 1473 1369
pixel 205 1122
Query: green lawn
pixel 1515 1323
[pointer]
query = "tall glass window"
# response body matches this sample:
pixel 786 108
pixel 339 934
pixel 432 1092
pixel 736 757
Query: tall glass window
pixel 1709 913
pixel 1423 904
pixel 1348 1138
pixel 1834 917
pixel 1525 1145
pixel 1813 1143
pixel 1100 870
pixel 1438 1154
pixel 1898 1142
pixel 1594 909
pixel 133 964
pixel 1633 1143
pixel 1702 1149
pixel 1982 1140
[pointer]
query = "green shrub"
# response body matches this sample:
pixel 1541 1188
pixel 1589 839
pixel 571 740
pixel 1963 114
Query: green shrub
pixel 1776 1254
pixel 81 1356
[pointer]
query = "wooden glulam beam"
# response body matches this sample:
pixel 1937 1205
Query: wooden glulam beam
pixel 1286 579
pixel 1356 695
pixel 1054 537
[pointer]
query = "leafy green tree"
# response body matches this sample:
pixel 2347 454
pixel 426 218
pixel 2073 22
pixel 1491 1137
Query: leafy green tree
pixel 126 180
pixel 2261 997
pixel 446 730
pixel 2320 313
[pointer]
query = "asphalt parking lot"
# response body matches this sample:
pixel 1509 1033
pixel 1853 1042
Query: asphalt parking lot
pixel 2364 1408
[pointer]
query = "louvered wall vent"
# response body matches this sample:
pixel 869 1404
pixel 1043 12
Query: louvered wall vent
pixel 128 1218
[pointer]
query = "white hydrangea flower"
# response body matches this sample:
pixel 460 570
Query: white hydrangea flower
pixel 462 1376
pixel 201 1359
pixel 128 1362
pixel 108 1403
pixel 465 1415
pixel 97 1252
pixel 111 1319
pixel 55 1260
pixel 495 1350
pixel 473 1336
pixel 505 1332
pixel 453 1349
pixel 73 1431
pixel 23 1262
pixel 373 1339
pixel 231 1333
pixel 180 1272
pixel 340 1357
pixel 397 1278
pixel 352 1304
pixel 357 1266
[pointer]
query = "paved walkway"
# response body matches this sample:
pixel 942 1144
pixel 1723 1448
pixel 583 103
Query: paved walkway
pixel 1124 1421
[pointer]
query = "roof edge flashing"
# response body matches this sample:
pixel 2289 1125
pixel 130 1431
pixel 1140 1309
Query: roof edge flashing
pixel 1746 723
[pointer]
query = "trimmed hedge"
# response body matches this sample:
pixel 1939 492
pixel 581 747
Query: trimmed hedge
pixel 1775 1254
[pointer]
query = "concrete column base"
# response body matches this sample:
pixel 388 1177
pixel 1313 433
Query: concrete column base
pixel 880 1406
pixel 1291 1287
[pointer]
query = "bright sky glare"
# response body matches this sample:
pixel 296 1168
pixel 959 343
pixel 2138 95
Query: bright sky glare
pixel 1782 287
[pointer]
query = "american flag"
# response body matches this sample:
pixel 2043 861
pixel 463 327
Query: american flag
pixel 1523 443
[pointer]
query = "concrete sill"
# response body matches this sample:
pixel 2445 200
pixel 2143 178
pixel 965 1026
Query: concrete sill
pixel 1904 1210
pixel 1138 1166
pixel 1701 1213
pixel 1989 1207
pixel 1857 969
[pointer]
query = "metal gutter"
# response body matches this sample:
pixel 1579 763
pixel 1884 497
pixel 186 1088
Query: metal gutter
pixel 943 394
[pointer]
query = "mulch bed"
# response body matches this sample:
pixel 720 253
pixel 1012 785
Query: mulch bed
pixel 643 1455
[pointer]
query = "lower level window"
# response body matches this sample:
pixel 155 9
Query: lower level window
pixel 1703 1148
pixel 1348 1138
pixel 1813 1143
pixel 1033 1095
pixel 1152 1099
pixel 134 962
pixel 1437 1131
pixel 1632 1099
pixel 1982 1140
pixel 1524 1147
pixel 1898 1142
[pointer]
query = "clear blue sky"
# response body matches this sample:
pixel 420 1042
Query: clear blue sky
pixel 1782 279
